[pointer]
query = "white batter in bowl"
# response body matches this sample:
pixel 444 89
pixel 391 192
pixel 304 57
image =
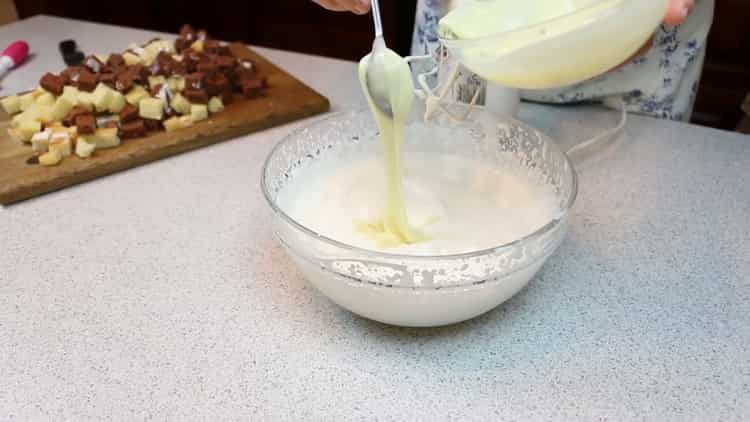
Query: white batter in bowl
pixel 310 181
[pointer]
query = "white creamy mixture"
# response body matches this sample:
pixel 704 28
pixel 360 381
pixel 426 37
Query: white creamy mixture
pixel 459 204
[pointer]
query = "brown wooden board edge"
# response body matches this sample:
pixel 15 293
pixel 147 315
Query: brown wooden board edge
pixel 203 135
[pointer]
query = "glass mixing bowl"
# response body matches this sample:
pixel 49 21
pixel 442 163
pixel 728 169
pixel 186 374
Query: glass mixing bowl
pixel 539 44
pixel 419 291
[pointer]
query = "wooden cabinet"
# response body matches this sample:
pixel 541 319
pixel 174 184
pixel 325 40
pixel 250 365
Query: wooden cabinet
pixel 300 25
pixel 726 72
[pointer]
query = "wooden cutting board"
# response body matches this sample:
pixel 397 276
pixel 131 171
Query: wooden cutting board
pixel 287 99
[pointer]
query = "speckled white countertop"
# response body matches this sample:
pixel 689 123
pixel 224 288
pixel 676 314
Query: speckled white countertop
pixel 159 294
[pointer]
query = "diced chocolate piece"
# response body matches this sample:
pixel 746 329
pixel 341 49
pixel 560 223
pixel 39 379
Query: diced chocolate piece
pixel 115 60
pixel 187 32
pixel 93 63
pixel 85 123
pixel 181 44
pixel 207 68
pixel 128 113
pixel 225 64
pixel 194 81
pixel 139 72
pixel 52 83
pixel 124 82
pixel 107 79
pixel 217 48
pixel 198 96
pixel 252 88
pixel 154 90
pixel 106 69
pixel 216 84
pixel 178 68
pixel 227 96
pixel 152 124
pixel 87 81
pixel 133 129
pixel 70 119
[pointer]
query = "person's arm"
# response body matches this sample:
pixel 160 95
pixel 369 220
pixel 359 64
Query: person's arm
pixel 359 7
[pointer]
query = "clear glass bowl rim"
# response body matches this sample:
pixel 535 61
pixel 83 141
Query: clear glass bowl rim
pixel 551 225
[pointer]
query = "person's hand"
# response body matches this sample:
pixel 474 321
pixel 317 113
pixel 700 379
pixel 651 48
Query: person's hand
pixel 678 11
pixel 359 7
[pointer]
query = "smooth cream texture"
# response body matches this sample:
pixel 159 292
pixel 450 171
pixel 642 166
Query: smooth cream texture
pixel 460 204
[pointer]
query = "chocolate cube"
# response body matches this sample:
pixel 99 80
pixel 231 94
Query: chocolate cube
pixel 115 60
pixel 70 118
pixel 85 123
pixel 128 113
pixel 107 79
pixel 124 82
pixel 196 96
pixel 52 83
pixel 133 129
pixel 87 81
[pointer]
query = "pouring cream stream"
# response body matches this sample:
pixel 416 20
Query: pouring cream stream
pixel 394 228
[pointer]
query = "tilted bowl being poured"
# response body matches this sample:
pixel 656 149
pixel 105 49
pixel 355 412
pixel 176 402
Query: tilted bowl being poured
pixel 540 44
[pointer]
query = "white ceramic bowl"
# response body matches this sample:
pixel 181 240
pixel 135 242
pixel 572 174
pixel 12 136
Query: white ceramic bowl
pixel 552 43
pixel 419 291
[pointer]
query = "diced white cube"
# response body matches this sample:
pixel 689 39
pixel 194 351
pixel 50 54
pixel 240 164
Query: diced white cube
pixel 11 104
pixel 40 140
pixel 198 112
pixel 84 148
pixel 151 108
pixel 215 105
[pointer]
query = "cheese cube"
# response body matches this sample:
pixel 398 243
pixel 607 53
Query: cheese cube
pixel 156 80
pixel 28 128
pixel 104 138
pixel 102 97
pixel 131 59
pixel 180 104
pixel 50 158
pixel 40 140
pixel 176 83
pixel 61 142
pixel 11 104
pixel 71 93
pixel 62 106
pixel 136 94
pixel 197 46
pixel 117 102
pixel 37 92
pixel 215 105
pixel 177 122
pixel 16 135
pixel 45 99
pixel 151 108
pixel 26 100
pixel 86 100
pixel 102 57
pixel 198 112
pixel 84 148
pixel 42 113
